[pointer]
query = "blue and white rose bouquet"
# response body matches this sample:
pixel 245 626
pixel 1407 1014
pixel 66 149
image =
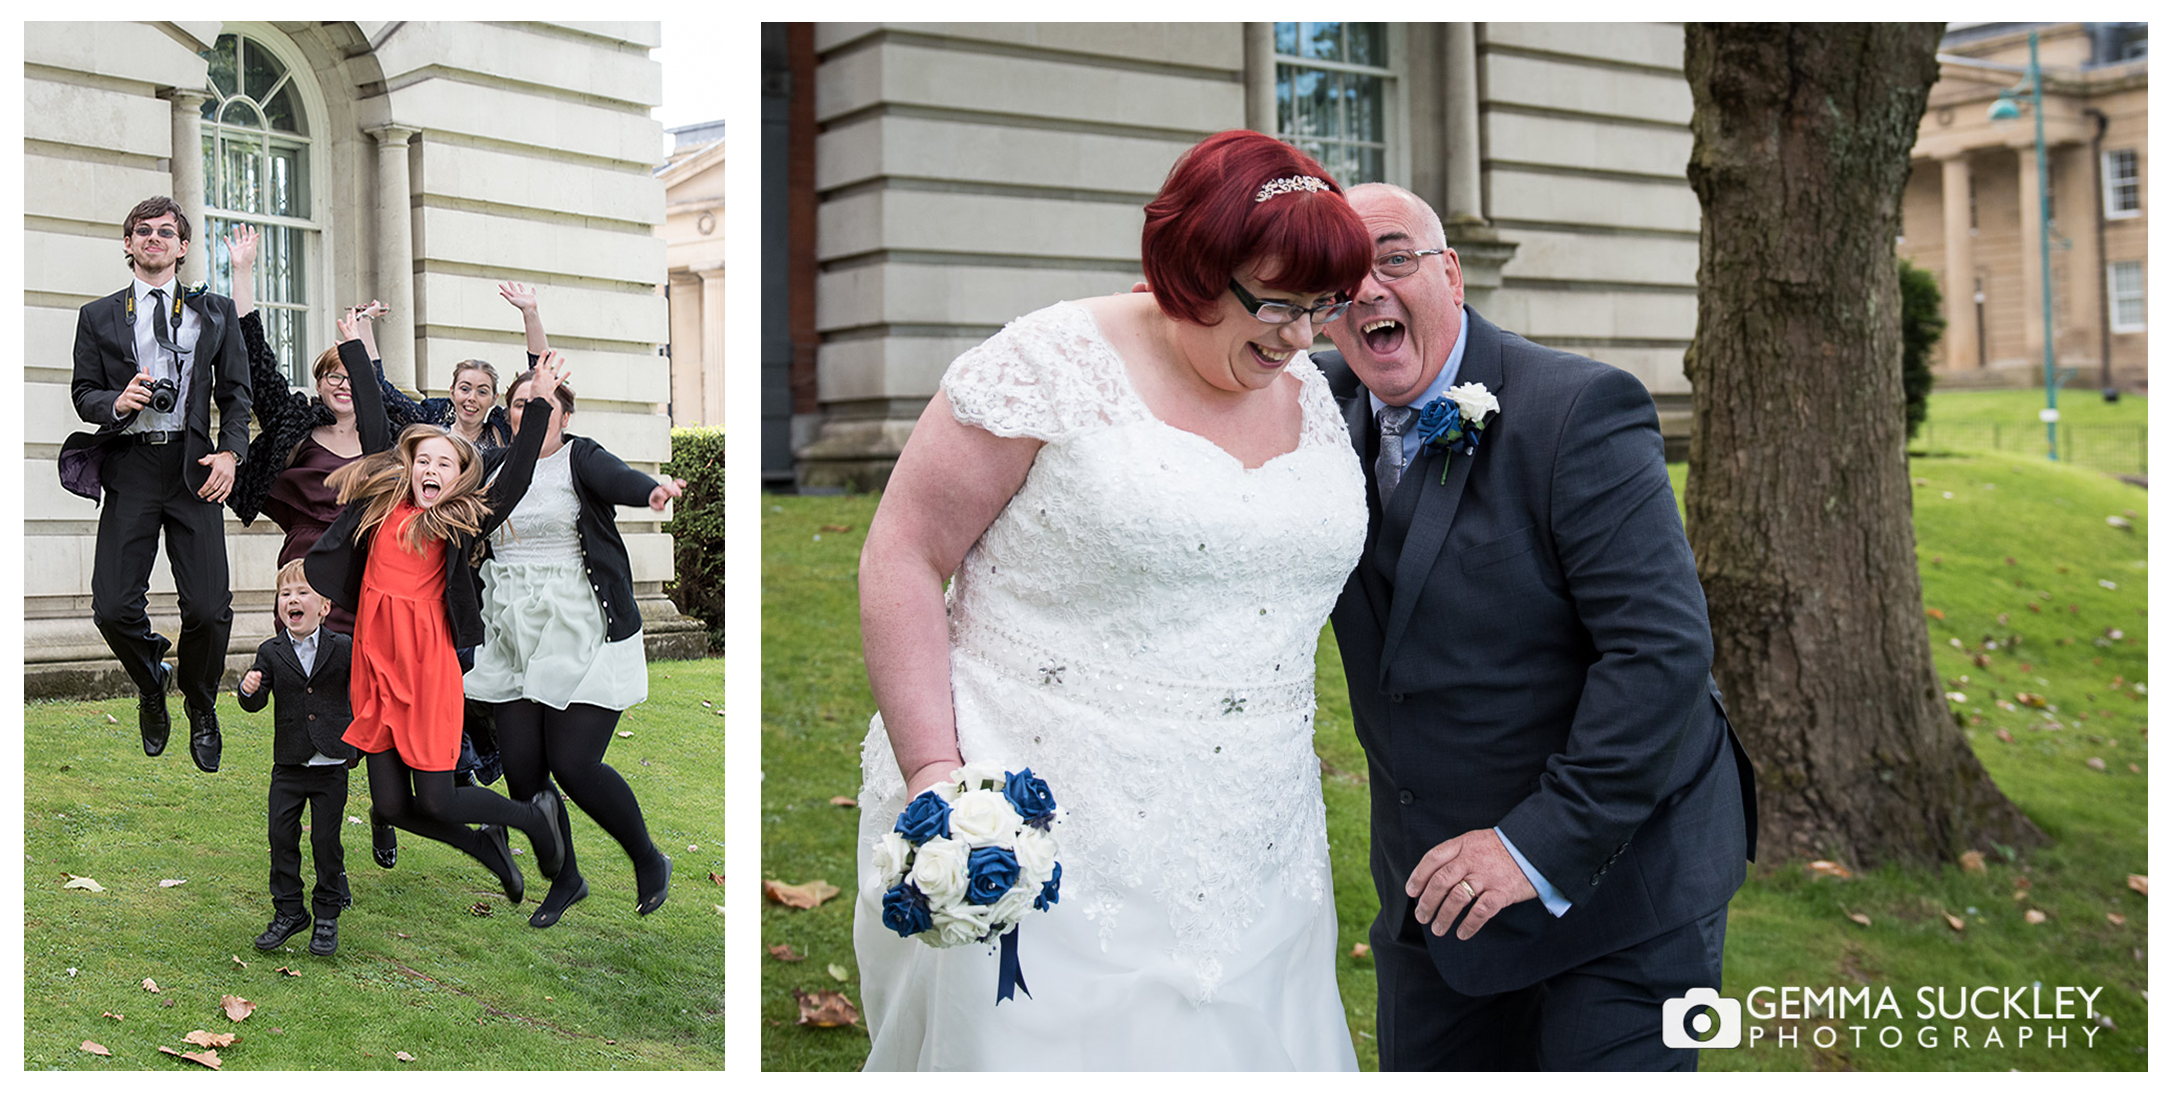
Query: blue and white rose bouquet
pixel 969 858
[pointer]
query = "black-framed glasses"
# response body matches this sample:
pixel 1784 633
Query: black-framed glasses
pixel 1401 264
pixel 1279 312
pixel 164 232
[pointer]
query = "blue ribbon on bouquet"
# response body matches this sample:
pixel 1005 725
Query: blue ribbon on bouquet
pixel 1010 978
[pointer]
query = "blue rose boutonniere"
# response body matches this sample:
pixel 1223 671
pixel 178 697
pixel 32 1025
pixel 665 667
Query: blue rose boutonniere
pixel 1453 422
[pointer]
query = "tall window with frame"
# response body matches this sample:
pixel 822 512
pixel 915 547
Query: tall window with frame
pixel 2121 183
pixel 2129 298
pixel 256 147
pixel 1332 93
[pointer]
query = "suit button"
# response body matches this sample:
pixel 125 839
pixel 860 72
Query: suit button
pixel 1394 697
pixel 312 718
pixel 1408 797
pixel 1596 877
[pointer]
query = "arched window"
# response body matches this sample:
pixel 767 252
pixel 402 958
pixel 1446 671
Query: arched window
pixel 256 136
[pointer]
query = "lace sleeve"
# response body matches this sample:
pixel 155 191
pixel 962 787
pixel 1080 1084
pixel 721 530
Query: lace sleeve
pixel 1046 375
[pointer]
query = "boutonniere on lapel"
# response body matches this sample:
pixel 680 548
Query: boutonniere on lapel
pixel 191 292
pixel 1451 423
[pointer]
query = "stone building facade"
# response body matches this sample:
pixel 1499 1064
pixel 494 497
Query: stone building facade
pixel 419 163
pixel 925 183
pixel 693 234
pixel 1972 206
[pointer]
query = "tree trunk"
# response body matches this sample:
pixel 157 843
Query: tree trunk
pixel 1799 506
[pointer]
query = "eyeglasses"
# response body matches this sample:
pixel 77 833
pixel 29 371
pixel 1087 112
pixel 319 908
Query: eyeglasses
pixel 1400 264
pixel 162 231
pixel 1278 312
pixel 338 380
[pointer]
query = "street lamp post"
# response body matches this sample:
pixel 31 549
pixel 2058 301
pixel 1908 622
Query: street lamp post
pixel 2005 109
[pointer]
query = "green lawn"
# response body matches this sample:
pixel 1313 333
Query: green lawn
pixel 2110 437
pixel 1787 927
pixel 432 962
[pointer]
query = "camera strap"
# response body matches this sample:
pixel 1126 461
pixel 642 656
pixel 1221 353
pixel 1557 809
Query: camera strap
pixel 161 329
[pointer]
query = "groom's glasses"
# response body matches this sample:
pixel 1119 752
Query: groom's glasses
pixel 1278 312
pixel 1400 264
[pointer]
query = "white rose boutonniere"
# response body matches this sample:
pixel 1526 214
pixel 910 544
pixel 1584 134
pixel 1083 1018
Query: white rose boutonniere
pixel 1453 422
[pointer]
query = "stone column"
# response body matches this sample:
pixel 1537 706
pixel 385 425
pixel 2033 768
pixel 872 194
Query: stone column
pixel 2031 257
pixel 1477 244
pixel 1465 193
pixel 709 384
pixel 186 165
pixel 1259 111
pixel 1961 351
pixel 2081 319
pixel 395 243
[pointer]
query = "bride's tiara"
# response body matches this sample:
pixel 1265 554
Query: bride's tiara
pixel 1290 185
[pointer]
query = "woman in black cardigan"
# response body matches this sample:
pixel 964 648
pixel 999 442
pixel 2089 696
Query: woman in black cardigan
pixel 562 653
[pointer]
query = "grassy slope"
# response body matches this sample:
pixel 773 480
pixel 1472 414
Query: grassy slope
pixel 1786 929
pixel 416 972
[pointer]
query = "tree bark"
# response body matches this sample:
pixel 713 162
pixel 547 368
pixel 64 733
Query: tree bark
pixel 1799 505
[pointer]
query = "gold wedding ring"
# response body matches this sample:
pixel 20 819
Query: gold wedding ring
pixel 1468 889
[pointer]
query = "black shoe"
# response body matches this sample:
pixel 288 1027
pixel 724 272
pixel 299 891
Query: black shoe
pixel 325 939
pixel 203 738
pixel 283 927
pixel 561 898
pixel 384 844
pixel 515 886
pixel 151 714
pixel 652 898
pixel 549 860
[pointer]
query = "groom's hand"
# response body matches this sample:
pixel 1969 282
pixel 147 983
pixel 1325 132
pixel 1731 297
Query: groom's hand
pixel 1479 858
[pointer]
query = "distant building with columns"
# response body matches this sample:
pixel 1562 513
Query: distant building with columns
pixel 693 233
pixel 418 163
pixel 925 183
pixel 1972 208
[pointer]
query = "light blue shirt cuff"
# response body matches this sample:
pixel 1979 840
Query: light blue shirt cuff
pixel 1550 897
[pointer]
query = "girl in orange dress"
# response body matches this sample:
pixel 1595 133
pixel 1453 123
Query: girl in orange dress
pixel 402 558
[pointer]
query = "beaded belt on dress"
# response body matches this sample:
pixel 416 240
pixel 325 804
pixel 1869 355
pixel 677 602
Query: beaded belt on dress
pixel 1101 684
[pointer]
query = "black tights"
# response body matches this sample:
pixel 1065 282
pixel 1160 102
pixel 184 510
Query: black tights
pixel 429 804
pixel 538 742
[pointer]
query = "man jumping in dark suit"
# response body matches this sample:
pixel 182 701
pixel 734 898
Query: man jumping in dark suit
pixel 1560 810
pixel 149 362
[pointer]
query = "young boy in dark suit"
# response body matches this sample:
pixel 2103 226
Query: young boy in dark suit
pixel 306 671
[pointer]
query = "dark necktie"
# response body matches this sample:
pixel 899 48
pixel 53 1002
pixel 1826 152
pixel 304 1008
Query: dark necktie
pixel 162 333
pixel 1393 423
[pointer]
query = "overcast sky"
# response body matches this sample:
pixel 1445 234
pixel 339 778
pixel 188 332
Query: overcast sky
pixel 692 90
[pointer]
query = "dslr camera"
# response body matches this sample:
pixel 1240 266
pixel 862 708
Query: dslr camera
pixel 164 395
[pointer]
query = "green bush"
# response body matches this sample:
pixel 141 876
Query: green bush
pixel 697 529
pixel 1922 323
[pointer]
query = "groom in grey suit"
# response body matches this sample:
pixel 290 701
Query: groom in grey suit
pixel 1560 810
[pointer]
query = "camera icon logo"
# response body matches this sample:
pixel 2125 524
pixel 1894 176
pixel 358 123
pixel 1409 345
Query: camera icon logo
pixel 1715 1024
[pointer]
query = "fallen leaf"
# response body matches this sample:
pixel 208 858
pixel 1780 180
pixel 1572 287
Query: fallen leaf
pixel 169 883
pixel 78 882
pixel 1971 860
pixel 1857 918
pixel 839 972
pixel 842 800
pixel 783 952
pixel 403 935
pixel 625 733
pixel 716 878
pixel 2096 763
pixel 2104 1021
pixel 150 985
pixel 208 1058
pixel 1957 923
pixel 1937 613
pixel 238 961
pixel 403 1055
pixel 693 847
pixel 113 720
pixel 89 1046
pixel 2034 916
pixel 479 908
pixel 208 1040
pixel 2117 920
pixel 116 1016
pixel 1361 950
pixel 288 972
pixel 825 1008
pixel 719 909
pixel 1829 869
pixel 2005 735
pixel 806 895
pixel 2138 883
pixel 236 1008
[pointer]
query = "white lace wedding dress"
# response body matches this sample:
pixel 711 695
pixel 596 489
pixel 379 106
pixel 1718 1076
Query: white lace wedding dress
pixel 1138 626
